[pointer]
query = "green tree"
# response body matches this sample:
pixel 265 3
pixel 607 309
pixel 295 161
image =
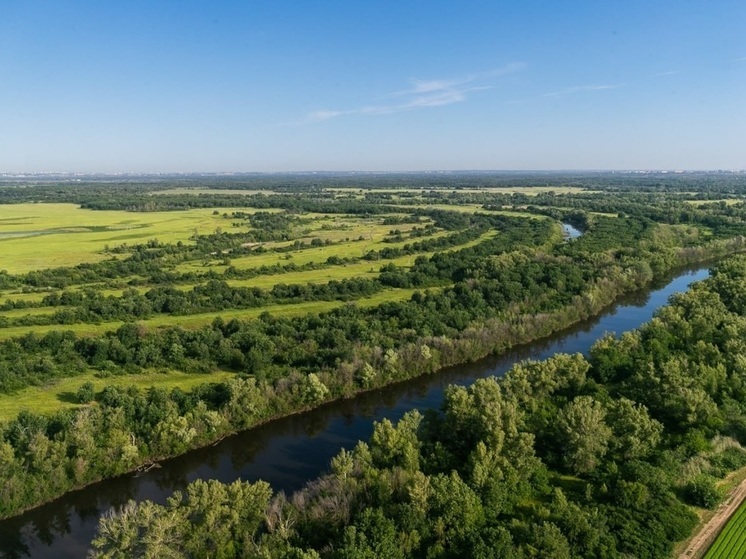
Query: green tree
pixel 584 434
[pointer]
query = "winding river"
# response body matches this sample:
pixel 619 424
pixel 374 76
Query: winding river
pixel 290 451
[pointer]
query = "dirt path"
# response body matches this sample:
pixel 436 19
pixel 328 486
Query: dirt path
pixel 702 541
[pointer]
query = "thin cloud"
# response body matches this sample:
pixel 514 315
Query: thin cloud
pixel 742 59
pixel 581 89
pixel 669 73
pixel 421 94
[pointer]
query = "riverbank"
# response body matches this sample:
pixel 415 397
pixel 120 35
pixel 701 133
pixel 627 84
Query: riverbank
pixel 473 343
pixel 289 451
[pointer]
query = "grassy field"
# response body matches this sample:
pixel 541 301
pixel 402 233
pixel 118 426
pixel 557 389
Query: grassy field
pixel 37 236
pixel 201 319
pixel 363 269
pixel 732 540
pixel 61 394
pixel 15 313
pixel 373 240
pixel 727 201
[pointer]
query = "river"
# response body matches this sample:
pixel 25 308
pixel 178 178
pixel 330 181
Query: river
pixel 290 451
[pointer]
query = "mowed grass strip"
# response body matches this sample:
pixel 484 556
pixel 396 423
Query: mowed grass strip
pixel 731 539
pixel 30 297
pixel 61 394
pixel 34 311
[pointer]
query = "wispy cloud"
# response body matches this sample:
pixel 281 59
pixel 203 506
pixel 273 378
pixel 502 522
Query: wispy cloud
pixel 420 94
pixel 668 73
pixel 581 89
pixel 742 59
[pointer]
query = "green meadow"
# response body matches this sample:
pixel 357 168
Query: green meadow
pixel 61 394
pixel 202 319
pixel 37 236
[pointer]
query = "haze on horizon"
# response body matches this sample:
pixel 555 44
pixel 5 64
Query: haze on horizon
pixel 144 87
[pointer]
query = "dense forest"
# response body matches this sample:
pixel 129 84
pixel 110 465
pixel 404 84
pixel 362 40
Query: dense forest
pixel 546 463
pixel 569 457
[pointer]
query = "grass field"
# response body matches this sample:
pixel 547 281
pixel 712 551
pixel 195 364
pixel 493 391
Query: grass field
pixel 363 269
pixel 354 249
pixel 37 236
pixel 731 542
pixel 197 320
pixel 61 394
pixel 727 201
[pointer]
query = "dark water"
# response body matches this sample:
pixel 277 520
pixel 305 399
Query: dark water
pixel 290 451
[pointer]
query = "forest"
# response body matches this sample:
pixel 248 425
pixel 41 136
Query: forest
pixel 281 294
pixel 569 457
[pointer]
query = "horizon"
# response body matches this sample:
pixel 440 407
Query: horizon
pixel 373 172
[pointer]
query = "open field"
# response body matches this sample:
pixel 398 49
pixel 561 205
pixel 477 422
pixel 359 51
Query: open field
pixel 731 542
pixel 202 319
pixel 36 236
pixel 33 311
pixel 34 297
pixel 354 249
pixel 726 201
pixel 362 269
pixel 732 539
pixel 61 394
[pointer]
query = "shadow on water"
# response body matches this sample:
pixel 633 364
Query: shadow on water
pixel 290 451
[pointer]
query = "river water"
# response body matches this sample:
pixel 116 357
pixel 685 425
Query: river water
pixel 290 451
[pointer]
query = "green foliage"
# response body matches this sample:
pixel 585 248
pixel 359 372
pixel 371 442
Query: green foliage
pixel 702 492
pixel 85 393
pixel 482 478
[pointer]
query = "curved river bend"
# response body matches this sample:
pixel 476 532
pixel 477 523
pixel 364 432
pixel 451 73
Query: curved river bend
pixel 290 451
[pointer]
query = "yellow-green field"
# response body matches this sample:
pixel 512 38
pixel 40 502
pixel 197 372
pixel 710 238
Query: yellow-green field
pixel 727 201
pixel 37 236
pixel 363 269
pixel 201 319
pixel 373 240
pixel 40 236
pixel 61 394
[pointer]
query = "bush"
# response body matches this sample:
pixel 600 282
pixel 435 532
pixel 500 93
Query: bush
pixel 85 393
pixel 702 492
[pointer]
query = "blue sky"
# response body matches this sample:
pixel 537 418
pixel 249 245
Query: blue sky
pixel 182 86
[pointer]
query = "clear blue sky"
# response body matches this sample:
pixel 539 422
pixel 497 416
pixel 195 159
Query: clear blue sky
pixel 181 86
